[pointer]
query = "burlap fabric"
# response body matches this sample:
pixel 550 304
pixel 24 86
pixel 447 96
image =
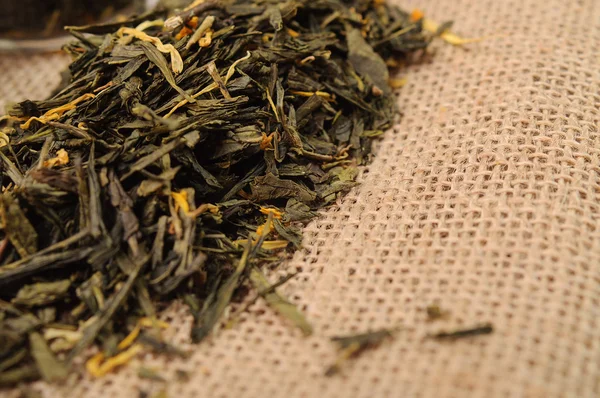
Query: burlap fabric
pixel 485 199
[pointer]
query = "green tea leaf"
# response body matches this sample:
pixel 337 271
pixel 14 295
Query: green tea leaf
pixel 366 61
pixel 18 375
pixel 462 333
pixel 49 367
pixel 19 230
pixel 262 118
pixel 159 60
pixel 271 187
pixel 42 293
pixel 353 345
pixel 280 304
pixel 13 359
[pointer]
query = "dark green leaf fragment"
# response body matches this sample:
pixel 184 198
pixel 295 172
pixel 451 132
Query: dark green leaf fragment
pixel 434 312
pixel 366 61
pixel 105 315
pixel 271 187
pixel 458 334
pixel 364 340
pixel 150 374
pixel 353 345
pixel 159 60
pixel 215 306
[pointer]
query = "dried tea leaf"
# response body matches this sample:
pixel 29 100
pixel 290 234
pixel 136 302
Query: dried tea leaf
pixel 177 159
pixel 11 170
pixel 353 345
pixel 18 375
pixel 17 227
pixel 298 211
pixel 279 303
pixel 157 59
pixel 462 333
pixel 105 314
pixel 150 374
pixel 434 312
pixel 152 157
pixel 176 61
pixel 13 359
pixel 217 302
pixel 62 339
pixel 161 347
pixel 364 340
pixel 272 187
pixel 366 61
pixel 42 293
pixel 49 367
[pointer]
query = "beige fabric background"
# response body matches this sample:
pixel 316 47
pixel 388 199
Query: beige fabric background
pixel 484 199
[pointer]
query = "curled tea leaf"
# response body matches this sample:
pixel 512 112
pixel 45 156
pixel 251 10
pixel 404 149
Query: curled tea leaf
pixel 41 293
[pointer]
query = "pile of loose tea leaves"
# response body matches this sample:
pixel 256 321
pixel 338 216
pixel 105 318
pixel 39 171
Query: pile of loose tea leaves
pixel 180 160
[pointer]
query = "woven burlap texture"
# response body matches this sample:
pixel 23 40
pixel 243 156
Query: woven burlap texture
pixel 485 199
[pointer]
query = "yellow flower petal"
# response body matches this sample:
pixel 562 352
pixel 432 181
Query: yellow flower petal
pixel 4 139
pixel 267 245
pixel 276 212
pixel 321 94
pixel 416 14
pixel 397 83
pixel 56 113
pixel 448 36
pixel 292 33
pixel 176 61
pixel 62 158
pixel 99 368
pixel 206 40
pixel 148 323
pixel 181 201
pixel 93 364
pixel 130 339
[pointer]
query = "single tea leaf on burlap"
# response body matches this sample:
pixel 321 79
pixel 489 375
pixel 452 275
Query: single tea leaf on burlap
pixel 353 345
pixel 462 333
pixel 279 303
